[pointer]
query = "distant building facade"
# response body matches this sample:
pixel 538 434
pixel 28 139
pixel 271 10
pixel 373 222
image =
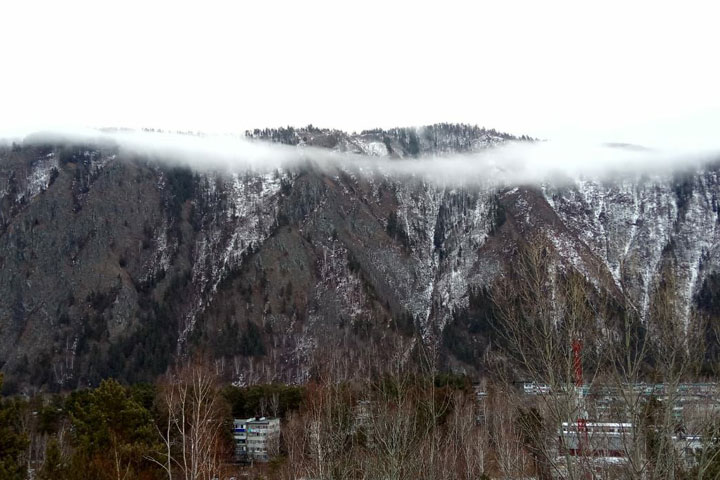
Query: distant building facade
pixel 596 439
pixel 532 388
pixel 256 438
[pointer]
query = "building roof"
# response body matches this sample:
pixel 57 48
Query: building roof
pixel 257 419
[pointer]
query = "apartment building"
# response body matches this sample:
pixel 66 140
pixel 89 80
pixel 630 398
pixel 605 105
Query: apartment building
pixel 256 438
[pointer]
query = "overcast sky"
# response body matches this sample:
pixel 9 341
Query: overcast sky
pixel 621 69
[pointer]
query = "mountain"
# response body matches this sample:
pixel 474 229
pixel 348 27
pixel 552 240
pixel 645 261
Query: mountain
pixel 113 263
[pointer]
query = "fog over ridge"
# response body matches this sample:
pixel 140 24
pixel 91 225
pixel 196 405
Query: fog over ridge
pixel 509 163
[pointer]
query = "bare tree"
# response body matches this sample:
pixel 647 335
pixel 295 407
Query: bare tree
pixel 510 456
pixel 193 438
pixel 545 309
pixel 467 438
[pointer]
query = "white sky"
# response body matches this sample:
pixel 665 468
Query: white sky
pixel 631 71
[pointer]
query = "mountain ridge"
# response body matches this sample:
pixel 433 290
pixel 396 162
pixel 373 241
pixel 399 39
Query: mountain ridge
pixel 113 264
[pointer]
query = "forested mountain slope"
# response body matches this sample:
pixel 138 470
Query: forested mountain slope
pixel 111 264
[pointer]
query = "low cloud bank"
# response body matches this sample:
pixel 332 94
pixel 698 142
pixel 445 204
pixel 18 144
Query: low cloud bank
pixel 511 163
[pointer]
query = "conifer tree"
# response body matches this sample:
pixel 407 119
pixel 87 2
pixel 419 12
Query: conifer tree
pixel 13 442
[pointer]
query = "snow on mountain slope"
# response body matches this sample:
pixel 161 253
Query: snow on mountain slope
pixel 631 223
pixel 268 269
pixel 237 214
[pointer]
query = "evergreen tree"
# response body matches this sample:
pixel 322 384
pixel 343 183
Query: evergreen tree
pixel 112 431
pixel 13 442
pixel 55 467
pixel 413 143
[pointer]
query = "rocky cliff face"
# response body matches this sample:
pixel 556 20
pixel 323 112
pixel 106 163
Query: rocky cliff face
pixel 112 264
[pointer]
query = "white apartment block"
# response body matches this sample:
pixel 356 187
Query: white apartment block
pixel 256 438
